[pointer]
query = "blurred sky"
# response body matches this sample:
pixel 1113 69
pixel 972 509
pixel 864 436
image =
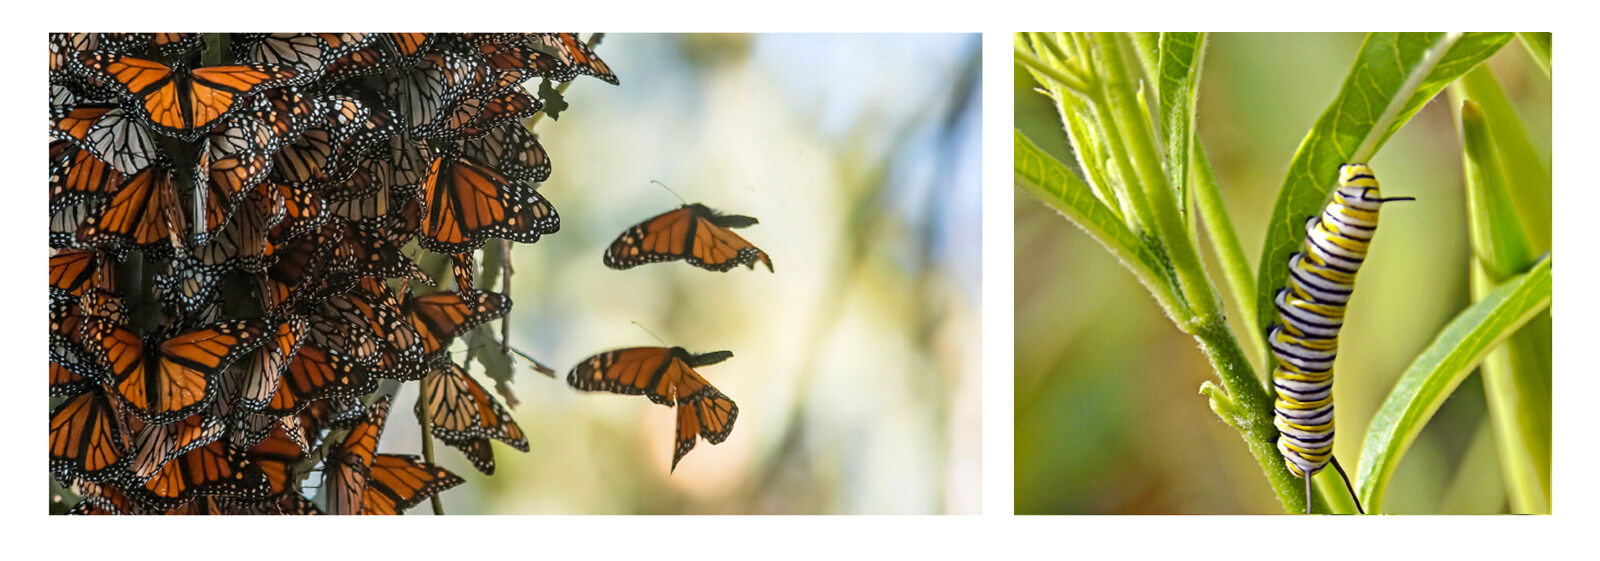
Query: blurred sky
pixel 1109 418
pixel 855 366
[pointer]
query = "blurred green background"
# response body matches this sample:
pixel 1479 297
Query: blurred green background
pixel 855 366
pixel 1108 413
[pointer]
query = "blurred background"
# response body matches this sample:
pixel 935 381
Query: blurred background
pixel 856 365
pixel 1109 418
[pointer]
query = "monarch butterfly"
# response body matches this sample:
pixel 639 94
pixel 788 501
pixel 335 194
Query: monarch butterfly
pixel 155 445
pixel 180 102
pixel 398 482
pixel 174 379
pixel 439 317
pixel 259 380
pixel 693 233
pixel 78 177
pixel 1305 339
pixel 349 463
pixel 513 151
pixel 468 203
pixel 212 469
pixel 237 157
pixel 372 309
pixel 667 377
pixel 85 438
pixel 274 457
pixel 306 52
pixel 143 213
pixel 576 56
pixel 108 133
pixel 465 416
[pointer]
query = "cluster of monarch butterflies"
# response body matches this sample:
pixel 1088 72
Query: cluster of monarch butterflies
pixel 233 223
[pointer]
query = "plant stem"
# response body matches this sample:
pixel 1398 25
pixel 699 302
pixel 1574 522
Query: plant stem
pixel 426 421
pixel 1159 197
pixel 1225 243
pixel 1250 410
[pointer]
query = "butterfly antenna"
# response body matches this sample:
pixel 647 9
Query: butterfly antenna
pixel 652 333
pixel 669 190
pixel 1348 486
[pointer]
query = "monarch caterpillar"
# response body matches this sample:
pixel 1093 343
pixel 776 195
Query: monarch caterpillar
pixel 1305 338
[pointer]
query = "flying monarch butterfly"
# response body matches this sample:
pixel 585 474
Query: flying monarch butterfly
pixel 349 463
pixel 465 416
pixel 667 377
pixel 575 55
pixel 180 102
pixel 693 233
pixel 1311 310
pixel 108 132
pixel 172 380
pixel 86 439
pixel 467 204
pixel 399 482
pixel 439 317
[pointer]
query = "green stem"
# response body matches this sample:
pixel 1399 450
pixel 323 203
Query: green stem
pixel 1236 271
pixel 1248 409
pixel 1027 59
pixel 426 421
pixel 1139 142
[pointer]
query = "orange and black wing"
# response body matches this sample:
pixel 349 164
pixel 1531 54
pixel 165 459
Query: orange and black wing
pixel 467 203
pixel 155 445
pixel 465 416
pixel 144 213
pixel 263 373
pixel 647 371
pixel 399 482
pixel 183 104
pixel 210 470
pixel 706 412
pixel 182 375
pixel 350 462
pixel 439 317
pixel 576 55
pixel 693 233
pixel 85 438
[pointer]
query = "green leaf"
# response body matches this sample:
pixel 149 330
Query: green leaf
pixel 1057 187
pixel 1436 372
pixel 1538 45
pixel 1178 88
pixel 554 102
pixel 1526 173
pixel 1498 239
pixel 1394 75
